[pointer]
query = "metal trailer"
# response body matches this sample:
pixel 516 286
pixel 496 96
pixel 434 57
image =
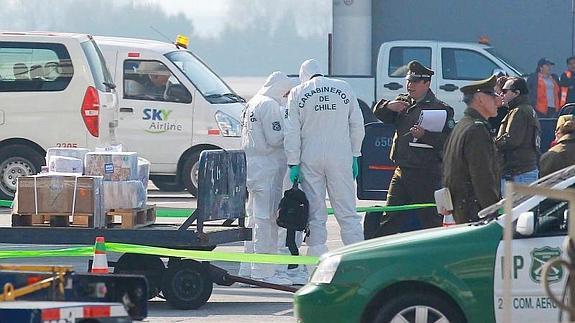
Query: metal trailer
pixel 63 312
pixel 184 283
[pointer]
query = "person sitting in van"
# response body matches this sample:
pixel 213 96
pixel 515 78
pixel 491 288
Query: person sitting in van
pixel 20 71
pixel 156 81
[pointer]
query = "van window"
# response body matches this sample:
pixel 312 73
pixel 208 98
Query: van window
pixel 204 79
pixel 27 67
pixel 399 57
pixel 97 66
pixel 464 64
pixel 152 80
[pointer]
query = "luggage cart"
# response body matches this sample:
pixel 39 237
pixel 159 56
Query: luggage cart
pixel 184 283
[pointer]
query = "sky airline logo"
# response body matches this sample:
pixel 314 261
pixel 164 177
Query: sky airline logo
pixel 159 121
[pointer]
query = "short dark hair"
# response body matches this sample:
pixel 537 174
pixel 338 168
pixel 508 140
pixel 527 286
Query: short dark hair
pixel 570 58
pixel 468 97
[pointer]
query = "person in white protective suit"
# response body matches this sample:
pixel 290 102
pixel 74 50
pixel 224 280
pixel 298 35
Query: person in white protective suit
pixel 323 136
pixel 262 141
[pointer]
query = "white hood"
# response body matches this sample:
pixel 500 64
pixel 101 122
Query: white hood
pixel 308 69
pixel 276 86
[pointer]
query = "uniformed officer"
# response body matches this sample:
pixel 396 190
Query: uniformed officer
pixel 416 151
pixel 470 164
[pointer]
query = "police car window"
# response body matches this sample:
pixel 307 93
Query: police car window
pixel 152 80
pixel 399 57
pixel 551 217
pixel 463 64
pixel 31 67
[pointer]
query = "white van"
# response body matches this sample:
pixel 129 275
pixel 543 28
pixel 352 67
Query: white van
pixel 172 107
pixel 55 91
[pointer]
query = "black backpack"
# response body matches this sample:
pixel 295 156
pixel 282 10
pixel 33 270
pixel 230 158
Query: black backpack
pixel 293 214
pixel 293 211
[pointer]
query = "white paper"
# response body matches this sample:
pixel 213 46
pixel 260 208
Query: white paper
pixel 433 120
pixel 443 201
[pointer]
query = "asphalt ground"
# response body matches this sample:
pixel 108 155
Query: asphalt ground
pixel 237 304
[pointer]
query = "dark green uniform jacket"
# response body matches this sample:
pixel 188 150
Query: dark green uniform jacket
pixel 518 138
pixel 404 155
pixel 559 156
pixel 470 167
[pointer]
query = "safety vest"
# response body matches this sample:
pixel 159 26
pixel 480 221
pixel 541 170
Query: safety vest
pixel 541 105
pixel 564 90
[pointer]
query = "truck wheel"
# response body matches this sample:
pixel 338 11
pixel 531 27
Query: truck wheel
pixel 414 307
pixel 187 284
pixel 167 184
pixel 150 266
pixel 15 161
pixel 190 172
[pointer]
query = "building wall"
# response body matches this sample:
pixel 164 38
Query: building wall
pixel 521 30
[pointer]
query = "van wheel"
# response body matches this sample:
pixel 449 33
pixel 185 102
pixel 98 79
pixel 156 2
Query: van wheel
pixel 190 172
pixel 16 161
pixel 167 184
pixel 416 306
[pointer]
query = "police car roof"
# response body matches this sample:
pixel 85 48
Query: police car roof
pixel 134 44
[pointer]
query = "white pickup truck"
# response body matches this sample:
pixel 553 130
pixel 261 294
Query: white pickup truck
pixel 455 65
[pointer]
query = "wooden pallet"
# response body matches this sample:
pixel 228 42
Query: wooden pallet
pixel 131 218
pixel 53 219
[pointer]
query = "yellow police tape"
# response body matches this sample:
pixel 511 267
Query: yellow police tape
pixel 86 251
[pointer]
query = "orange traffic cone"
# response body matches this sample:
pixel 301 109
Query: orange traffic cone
pixel 448 220
pixel 100 262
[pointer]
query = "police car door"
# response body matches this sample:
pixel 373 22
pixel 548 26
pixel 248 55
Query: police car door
pixel 155 123
pixel 529 300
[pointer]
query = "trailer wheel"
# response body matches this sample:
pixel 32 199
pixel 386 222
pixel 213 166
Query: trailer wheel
pixel 150 266
pixel 187 284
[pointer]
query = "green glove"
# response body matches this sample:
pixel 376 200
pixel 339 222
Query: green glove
pixel 355 167
pixel 294 173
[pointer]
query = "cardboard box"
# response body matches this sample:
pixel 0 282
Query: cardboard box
pixel 123 195
pixel 113 166
pixel 79 153
pixel 59 194
pixel 68 165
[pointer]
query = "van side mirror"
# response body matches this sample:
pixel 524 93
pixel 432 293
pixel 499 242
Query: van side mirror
pixel 526 224
pixel 178 93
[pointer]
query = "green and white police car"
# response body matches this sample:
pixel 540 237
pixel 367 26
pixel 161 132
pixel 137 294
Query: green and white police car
pixel 446 274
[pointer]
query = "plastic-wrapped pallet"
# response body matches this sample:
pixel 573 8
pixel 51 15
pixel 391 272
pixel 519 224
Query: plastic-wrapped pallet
pixel 124 194
pixel 65 165
pixel 143 171
pixel 113 166
pixel 79 153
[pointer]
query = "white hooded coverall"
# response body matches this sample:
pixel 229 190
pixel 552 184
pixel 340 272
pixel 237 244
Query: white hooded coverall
pixel 324 131
pixel 262 141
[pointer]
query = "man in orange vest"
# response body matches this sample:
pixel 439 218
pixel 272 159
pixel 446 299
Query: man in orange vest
pixel 567 83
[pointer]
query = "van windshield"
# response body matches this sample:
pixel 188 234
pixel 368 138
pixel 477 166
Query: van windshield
pixel 506 61
pixel 203 78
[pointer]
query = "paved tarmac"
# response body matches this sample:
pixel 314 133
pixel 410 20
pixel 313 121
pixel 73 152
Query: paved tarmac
pixel 227 304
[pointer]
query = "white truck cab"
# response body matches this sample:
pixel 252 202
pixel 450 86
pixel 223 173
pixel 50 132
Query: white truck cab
pixel 455 64
pixel 172 107
pixel 55 91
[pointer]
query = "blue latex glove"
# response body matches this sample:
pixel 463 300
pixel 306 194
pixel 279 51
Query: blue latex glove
pixel 355 167
pixel 294 173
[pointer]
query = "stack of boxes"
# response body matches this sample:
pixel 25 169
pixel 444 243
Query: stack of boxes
pixel 80 182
